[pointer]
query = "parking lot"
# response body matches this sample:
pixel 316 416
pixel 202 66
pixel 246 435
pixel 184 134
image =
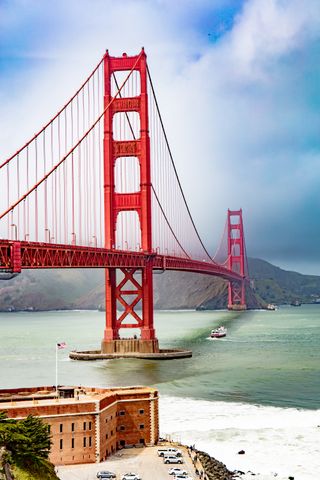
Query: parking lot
pixel 142 461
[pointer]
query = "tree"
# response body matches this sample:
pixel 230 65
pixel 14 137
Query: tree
pixel 26 442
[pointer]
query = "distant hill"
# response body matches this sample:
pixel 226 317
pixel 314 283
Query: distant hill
pixel 84 289
pixel 279 286
pixel 48 289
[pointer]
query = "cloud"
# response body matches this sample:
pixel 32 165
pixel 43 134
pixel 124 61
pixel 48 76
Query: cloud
pixel 256 110
pixel 241 105
pixel 269 30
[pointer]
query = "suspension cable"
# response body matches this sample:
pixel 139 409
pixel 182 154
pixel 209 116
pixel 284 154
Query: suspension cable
pixel 168 223
pixel 75 146
pixel 174 168
pixel 53 118
pixel 155 194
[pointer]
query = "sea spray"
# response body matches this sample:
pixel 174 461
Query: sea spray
pixel 276 441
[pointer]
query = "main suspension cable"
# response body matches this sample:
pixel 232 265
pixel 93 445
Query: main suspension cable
pixel 152 187
pixel 34 188
pixel 53 118
pixel 174 168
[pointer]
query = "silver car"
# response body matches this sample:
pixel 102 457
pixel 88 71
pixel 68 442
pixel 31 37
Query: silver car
pixel 106 474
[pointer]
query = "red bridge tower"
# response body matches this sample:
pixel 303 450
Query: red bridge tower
pixel 236 260
pixel 136 285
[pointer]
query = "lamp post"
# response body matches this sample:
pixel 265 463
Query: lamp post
pixel 15 230
pixel 49 234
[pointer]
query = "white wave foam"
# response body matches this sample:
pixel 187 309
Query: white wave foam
pixel 276 440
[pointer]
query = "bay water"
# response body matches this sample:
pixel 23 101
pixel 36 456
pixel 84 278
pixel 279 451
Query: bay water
pixel 257 390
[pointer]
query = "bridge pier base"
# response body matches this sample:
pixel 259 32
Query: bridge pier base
pixel 237 307
pixel 130 345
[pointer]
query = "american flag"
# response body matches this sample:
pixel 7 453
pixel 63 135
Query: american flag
pixel 61 345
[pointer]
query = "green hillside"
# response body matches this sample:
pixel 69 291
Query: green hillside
pixel 48 289
pixel 84 289
pixel 279 286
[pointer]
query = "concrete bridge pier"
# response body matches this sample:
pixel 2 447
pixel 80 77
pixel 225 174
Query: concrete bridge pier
pixel 130 345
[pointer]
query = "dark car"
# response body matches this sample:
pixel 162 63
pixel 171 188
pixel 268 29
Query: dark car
pixel 105 474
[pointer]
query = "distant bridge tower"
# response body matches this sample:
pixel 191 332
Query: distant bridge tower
pixel 236 260
pixel 136 284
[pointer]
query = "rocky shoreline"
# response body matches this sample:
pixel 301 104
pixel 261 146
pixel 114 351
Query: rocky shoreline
pixel 208 468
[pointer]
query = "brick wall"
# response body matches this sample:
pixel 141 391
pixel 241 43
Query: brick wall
pixel 73 439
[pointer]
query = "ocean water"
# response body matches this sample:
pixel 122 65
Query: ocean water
pixel 278 442
pixel 258 389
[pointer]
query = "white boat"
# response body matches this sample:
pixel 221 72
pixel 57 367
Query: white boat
pixel 219 332
pixel 271 306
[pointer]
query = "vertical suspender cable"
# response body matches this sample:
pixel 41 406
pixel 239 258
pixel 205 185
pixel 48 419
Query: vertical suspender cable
pixel 36 192
pixel 58 199
pixel 8 198
pixel 73 233
pixel 89 170
pixel 45 188
pixel 52 185
pixel 65 182
pixel 18 189
pixel 100 161
pixel 27 199
pixel 174 167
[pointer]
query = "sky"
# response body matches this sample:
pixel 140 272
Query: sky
pixel 238 83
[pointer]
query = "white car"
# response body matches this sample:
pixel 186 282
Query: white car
pixel 172 459
pixel 163 452
pixel 177 471
pixel 130 476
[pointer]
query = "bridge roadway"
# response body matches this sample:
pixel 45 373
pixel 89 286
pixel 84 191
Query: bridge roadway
pixel 20 255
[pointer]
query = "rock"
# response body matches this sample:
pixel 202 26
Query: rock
pixel 291 478
pixel 241 452
pixel 213 469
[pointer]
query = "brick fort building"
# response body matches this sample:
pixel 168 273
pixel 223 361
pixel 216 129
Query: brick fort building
pixel 88 424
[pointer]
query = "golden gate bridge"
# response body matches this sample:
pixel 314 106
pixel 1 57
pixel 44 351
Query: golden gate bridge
pixel 97 187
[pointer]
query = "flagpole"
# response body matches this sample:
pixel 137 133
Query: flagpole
pixel 56 369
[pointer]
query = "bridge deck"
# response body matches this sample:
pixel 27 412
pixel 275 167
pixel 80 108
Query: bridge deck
pixel 16 255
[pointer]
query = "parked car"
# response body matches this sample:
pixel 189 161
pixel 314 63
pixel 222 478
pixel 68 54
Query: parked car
pixel 177 471
pixel 172 459
pixel 169 451
pixel 130 476
pixel 182 477
pixel 105 474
